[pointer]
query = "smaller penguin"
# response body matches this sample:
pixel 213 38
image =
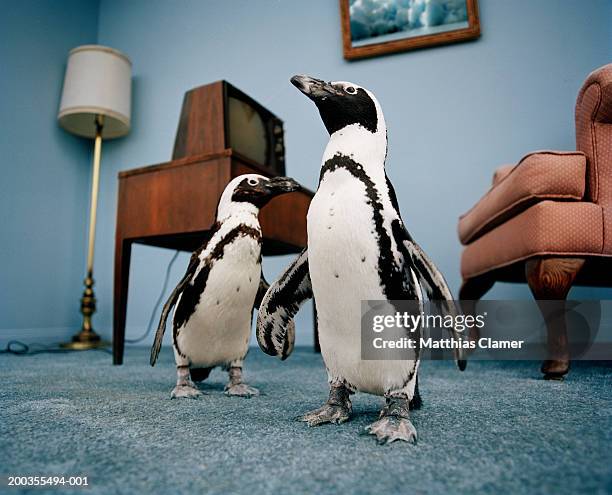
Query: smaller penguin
pixel 214 301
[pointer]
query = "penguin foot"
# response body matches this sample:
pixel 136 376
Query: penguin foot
pixel 337 409
pixel 328 413
pixel 390 428
pixel 185 391
pixel 241 390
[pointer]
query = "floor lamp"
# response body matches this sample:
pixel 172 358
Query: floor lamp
pixel 95 104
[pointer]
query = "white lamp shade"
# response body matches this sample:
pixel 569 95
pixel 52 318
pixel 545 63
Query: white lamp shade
pixel 98 81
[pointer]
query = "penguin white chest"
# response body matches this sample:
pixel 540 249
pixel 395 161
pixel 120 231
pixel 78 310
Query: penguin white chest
pixel 218 332
pixel 343 254
pixel 342 246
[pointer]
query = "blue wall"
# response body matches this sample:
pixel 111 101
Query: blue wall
pixel 45 171
pixel 454 113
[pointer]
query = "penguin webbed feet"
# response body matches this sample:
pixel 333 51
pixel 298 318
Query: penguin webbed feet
pixel 236 387
pixel 185 387
pixel 186 391
pixel 336 410
pixel 328 413
pixel 394 423
pixel 241 390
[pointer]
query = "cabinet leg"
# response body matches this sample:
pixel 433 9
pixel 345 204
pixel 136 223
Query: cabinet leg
pixel 123 253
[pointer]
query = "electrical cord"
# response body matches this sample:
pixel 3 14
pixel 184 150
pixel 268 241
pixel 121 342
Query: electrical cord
pixel 18 348
pixel 157 303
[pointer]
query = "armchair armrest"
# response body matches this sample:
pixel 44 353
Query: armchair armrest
pixel 541 175
pixel 501 172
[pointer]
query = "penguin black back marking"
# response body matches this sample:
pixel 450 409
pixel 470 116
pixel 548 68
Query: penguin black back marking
pixel 393 196
pixel 392 278
pixel 192 293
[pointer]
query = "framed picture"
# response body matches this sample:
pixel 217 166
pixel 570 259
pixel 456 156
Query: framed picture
pixel 376 27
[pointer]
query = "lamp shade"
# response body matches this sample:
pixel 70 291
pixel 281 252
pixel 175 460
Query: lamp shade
pixel 98 81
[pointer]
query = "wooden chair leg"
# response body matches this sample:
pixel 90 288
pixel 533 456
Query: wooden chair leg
pixel 470 292
pixel 123 252
pixel 473 289
pixel 551 279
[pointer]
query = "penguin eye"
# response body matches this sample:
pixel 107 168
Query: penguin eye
pixel 350 90
pixel 252 182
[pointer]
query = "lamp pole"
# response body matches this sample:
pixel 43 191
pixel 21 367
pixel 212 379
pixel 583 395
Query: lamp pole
pixel 96 101
pixel 87 338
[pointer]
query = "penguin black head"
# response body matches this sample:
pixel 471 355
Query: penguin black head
pixel 258 190
pixel 340 103
pixel 252 190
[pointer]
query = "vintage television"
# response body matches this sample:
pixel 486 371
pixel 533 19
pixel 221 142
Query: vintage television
pixel 218 116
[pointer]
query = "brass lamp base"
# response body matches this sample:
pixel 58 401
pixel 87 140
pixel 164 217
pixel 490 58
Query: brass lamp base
pixel 83 345
pixel 86 338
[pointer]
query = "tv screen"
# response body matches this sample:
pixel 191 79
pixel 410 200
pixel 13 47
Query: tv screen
pixel 248 134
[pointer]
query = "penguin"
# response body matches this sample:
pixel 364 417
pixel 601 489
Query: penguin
pixel 213 303
pixel 358 249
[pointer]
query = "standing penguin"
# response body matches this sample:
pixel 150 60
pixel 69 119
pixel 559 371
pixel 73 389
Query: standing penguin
pixel 358 249
pixel 214 301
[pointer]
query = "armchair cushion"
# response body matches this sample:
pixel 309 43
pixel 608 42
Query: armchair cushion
pixel 538 176
pixel 547 228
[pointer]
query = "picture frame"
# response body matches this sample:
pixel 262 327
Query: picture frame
pixel 370 30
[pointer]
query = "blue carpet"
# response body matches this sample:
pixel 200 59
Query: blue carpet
pixel 496 428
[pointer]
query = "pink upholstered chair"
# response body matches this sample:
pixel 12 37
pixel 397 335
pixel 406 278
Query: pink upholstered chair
pixel 547 221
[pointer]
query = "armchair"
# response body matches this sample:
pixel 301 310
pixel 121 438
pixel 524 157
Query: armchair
pixel 547 221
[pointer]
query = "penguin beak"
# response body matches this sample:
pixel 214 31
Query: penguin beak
pixel 314 88
pixel 282 185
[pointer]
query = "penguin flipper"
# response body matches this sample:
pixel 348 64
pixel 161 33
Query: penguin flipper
pixel 261 291
pixel 161 328
pixel 434 282
pixel 275 327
